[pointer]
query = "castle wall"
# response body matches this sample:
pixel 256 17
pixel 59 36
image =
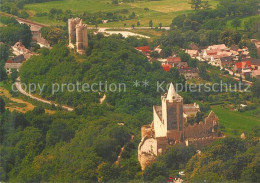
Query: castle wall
pixel 162 143
pixel 147 151
pixel 167 128
pixel 201 142
pixel 159 127
pixel 206 129
pixel 145 160
pixel 175 136
pixel 147 130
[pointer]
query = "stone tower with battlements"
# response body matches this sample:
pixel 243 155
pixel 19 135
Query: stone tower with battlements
pixel 78 34
pixel 168 128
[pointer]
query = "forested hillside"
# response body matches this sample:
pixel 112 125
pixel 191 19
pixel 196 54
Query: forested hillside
pixel 66 147
pixel 83 145
pixel 111 59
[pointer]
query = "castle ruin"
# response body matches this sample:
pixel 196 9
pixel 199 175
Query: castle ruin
pixel 78 33
pixel 168 128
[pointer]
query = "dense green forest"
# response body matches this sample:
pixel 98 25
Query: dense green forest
pixel 111 59
pixel 67 147
pixel 14 32
pixel 226 160
pixel 83 145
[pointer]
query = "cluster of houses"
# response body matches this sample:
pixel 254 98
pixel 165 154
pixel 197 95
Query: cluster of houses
pixel 234 59
pixel 170 62
pixel 21 53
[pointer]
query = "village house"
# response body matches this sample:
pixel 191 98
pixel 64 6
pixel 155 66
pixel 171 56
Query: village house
pixel 36 31
pixel 159 50
pixel 243 67
pixel 255 74
pixel 17 59
pixel 192 53
pixel 166 67
pixel 226 62
pixel 104 21
pixel 43 42
pixel 173 61
pixel 190 110
pixel 208 54
pixel 182 65
pixel 146 50
pixel 244 53
pixel 169 128
pixel 189 73
pixel 220 47
pixel 255 63
pixel 19 49
pixel 14 63
pixel 10 65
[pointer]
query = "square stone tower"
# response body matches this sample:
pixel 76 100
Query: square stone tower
pixel 169 119
pixel 78 33
pixel 172 110
pixel 72 29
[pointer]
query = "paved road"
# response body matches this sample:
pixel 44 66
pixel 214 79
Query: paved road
pixel 235 76
pixel 21 90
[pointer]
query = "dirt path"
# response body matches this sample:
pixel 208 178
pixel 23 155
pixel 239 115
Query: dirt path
pixel 122 150
pixel 21 90
pixel 103 99
pixel 18 104
pixel 119 156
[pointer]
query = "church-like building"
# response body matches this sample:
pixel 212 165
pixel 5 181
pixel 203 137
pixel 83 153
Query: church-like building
pixel 168 128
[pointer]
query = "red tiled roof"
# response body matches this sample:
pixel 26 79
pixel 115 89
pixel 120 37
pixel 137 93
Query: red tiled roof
pixel 9 61
pixel 174 59
pixel 166 67
pixel 144 48
pixel 241 65
pixel 211 52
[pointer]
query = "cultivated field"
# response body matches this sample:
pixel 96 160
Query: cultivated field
pixel 159 11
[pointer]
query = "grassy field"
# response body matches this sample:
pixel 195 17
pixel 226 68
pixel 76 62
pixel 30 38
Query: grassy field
pixel 159 11
pixel 236 122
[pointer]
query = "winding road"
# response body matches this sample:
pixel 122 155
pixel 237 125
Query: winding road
pixel 21 90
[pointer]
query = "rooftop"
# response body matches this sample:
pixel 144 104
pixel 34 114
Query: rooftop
pixel 144 48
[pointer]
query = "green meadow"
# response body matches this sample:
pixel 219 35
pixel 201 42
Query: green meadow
pixel 235 122
pixel 159 11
